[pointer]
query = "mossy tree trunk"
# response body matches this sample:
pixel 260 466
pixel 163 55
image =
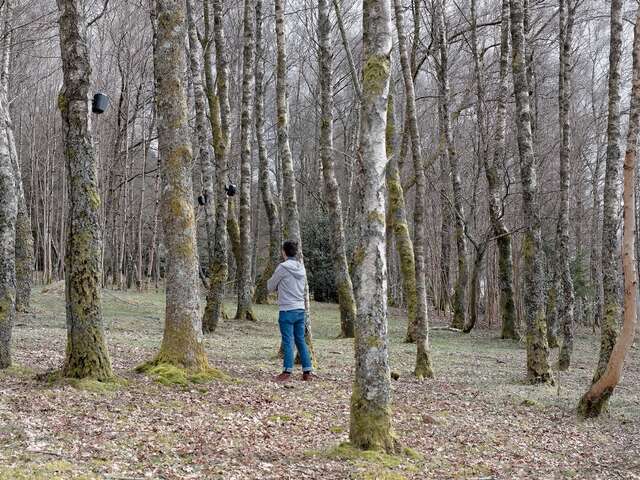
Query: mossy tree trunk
pixel 8 215
pixel 86 351
pixel 538 370
pixel 244 310
pixel 290 213
pixel 423 360
pixel 371 397
pixel 595 401
pixel 611 200
pixel 219 111
pixel 551 311
pixel 182 342
pixel 264 178
pixel 397 217
pixel 331 189
pixel 567 306
pixel 459 302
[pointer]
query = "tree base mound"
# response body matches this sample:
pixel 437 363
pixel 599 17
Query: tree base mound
pixel 169 374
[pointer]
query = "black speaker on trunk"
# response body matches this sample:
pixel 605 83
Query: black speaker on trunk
pixel 100 103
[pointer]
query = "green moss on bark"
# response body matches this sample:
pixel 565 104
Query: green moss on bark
pixel 375 74
pixel 370 427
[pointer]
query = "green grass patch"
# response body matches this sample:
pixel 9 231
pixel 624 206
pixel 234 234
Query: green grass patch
pixel 96 386
pixel 88 384
pixel 380 475
pixel 56 470
pixel 18 371
pixel 280 418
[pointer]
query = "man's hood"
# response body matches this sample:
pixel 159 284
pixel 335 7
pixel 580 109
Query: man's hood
pixel 294 267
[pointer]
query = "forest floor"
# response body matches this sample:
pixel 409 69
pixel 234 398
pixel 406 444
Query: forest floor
pixel 476 420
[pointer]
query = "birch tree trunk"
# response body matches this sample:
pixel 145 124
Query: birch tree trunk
pixel 270 205
pixel 566 307
pixel 182 340
pixel 370 427
pixel 459 302
pixel 503 237
pixel 610 279
pixel 86 352
pixel 244 284
pixel 8 214
pixel 332 193
pixel 538 370
pixel 291 222
pixel 264 180
pixel 595 401
pixel 202 134
pixel 397 217
pixel 219 109
pixel 24 237
pixel 423 360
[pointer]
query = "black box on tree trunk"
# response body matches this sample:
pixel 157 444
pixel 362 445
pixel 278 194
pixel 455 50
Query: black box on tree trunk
pixel 100 103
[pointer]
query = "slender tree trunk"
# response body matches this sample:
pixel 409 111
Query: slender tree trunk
pixel 8 215
pixel 270 205
pixel 496 206
pixel 397 217
pixel 24 237
pixel 445 227
pixel 347 50
pixel 567 305
pixel 245 288
pixel 332 194
pixel 459 302
pixel 182 343
pixel 423 360
pixel 551 311
pixel 596 399
pixel 370 427
pixel 86 352
pixel 538 370
pixel 219 117
pixel 291 222
pixel 610 278
pixel 475 288
pixel 595 260
pixel 204 150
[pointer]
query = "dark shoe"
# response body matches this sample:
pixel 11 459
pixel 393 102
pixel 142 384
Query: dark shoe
pixel 309 376
pixel 283 377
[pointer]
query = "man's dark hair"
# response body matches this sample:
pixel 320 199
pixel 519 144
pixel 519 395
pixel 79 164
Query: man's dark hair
pixel 290 248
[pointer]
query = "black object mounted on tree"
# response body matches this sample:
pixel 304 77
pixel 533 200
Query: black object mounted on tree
pixel 203 199
pixel 231 190
pixel 100 103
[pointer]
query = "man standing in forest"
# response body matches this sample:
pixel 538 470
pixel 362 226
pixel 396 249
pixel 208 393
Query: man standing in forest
pixel 289 280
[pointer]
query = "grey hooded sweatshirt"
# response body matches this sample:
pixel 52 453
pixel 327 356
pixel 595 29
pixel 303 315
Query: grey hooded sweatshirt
pixel 289 281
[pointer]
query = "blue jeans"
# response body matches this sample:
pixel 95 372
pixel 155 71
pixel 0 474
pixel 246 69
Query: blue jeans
pixel 292 330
